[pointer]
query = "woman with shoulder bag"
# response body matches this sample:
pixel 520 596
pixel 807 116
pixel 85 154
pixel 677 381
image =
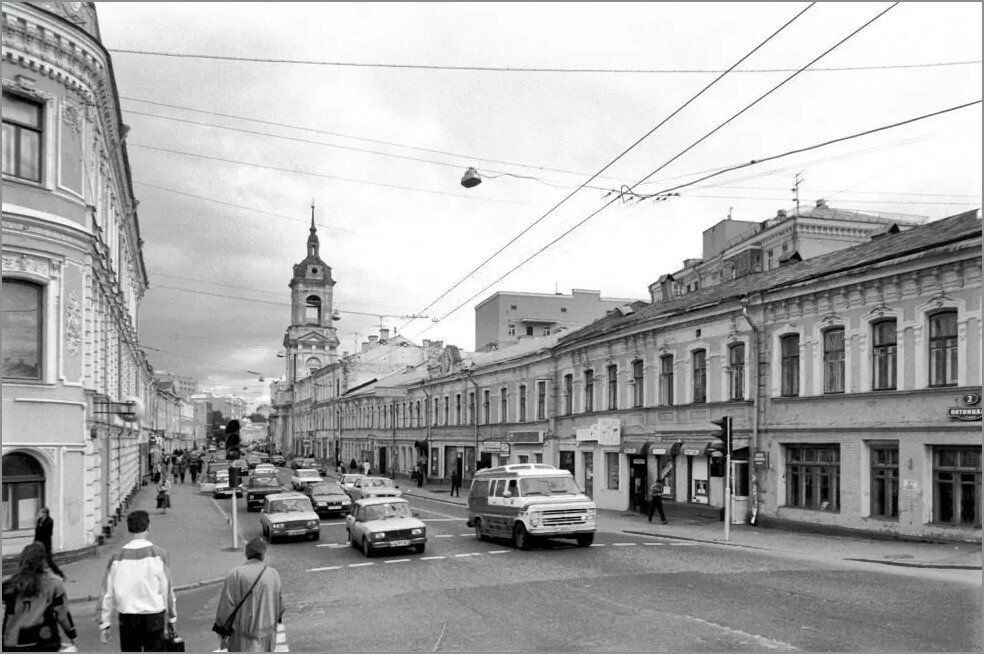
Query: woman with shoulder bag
pixel 34 606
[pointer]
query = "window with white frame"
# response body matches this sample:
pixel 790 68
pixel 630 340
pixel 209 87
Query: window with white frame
pixel 612 387
pixel 22 332
pixel 833 360
pixel 943 349
pixel 22 137
pixel 666 379
pixel 522 403
pixel 588 391
pixel 813 477
pixel 789 365
pixel 638 387
pixel 736 367
pixel 541 400
pixel 699 358
pixel 884 355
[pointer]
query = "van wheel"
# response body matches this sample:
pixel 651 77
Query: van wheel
pixel 366 547
pixel 521 537
pixel 479 534
pixel 585 540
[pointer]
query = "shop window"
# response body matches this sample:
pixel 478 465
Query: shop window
pixel 588 391
pixel 790 362
pixel 638 388
pixel 666 379
pixel 833 360
pixel 736 367
pixel 943 349
pixel 23 491
pixel 22 137
pixel 522 403
pixel 813 477
pixel 700 376
pixel 567 461
pixel 885 481
pixel 568 394
pixel 956 486
pixel 22 330
pixel 883 355
pixel 541 400
pixel 524 458
pixel 612 388
pixel 611 470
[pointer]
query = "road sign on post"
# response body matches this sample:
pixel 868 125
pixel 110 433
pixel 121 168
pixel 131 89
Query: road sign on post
pixel 725 447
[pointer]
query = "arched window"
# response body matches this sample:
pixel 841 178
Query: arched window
pixel 312 310
pixel 23 490
pixel 22 326
pixel 313 364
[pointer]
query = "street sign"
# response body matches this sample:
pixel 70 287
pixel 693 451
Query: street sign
pixel 504 449
pixel 689 452
pixel 761 459
pixel 490 446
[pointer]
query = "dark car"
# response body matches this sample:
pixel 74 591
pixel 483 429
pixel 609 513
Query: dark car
pixel 258 487
pixel 329 497
pixel 253 460
pixel 278 460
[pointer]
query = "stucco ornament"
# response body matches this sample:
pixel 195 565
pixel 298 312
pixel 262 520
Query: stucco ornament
pixel 24 263
pixel 73 323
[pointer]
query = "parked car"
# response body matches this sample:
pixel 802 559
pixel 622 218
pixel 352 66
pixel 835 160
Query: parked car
pixel 329 497
pixel 222 488
pixel 295 463
pixel 259 487
pixel 348 480
pixel 267 468
pixel 264 457
pixel 374 487
pixel 253 460
pixel 303 477
pixel 380 523
pixel 278 460
pixel 289 514
pixel 207 483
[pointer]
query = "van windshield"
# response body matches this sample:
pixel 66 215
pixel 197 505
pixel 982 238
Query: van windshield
pixel 548 486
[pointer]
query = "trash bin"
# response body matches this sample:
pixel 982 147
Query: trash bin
pixel 739 510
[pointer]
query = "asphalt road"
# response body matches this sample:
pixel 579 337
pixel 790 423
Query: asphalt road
pixel 624 593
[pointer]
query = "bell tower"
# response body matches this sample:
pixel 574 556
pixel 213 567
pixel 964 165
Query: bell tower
pixel 310 341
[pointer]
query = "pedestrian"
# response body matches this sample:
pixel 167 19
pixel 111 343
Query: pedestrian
pixel 194 468
pixel 34 605
pixel 421 473
pixel 164 494
pixel 182 468
pixel 175 460
pixel 366 467
pixel 42 533
pixel 250 605
pixel 455 482
pixel 656 502
pixel 138 587
pixel 352 466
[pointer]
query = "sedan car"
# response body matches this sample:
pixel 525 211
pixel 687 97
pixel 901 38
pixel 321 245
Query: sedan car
pixel 348 480
pixel 384 523
pixel 278 460
pixel 259 487
pixel 265 468
pixel 253 460
pixel 222 485
pixel 329 497
pixel 304 476
pixel 373 487
pixel 289 514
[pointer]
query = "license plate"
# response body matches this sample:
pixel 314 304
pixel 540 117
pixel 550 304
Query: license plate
pixel 399 543
pixel 295 532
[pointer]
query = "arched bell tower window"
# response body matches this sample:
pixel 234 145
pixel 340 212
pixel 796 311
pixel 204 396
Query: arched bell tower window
pixel 312 310
pixel 313 364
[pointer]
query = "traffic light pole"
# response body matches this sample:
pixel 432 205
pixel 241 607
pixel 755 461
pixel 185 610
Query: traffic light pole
pixel 727 490
pixel 235 522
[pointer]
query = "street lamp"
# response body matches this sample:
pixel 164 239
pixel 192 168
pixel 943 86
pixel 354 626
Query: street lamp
pixel 471 178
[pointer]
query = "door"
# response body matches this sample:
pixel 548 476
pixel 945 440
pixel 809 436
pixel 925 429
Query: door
pixel 637 484
pixel 382 460
pixel 567 461
pixel 589 474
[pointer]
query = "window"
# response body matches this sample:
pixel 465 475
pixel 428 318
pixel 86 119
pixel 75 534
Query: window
pixel 486 407
pixel 471 408
pixel 700 375
pixel 885 481
pixel 457 409
pixel 612 388
pixel 512 330
pixel 22 138
pixel 545 331
pixel 436 410
pixel 568 394
pixel 790 362
pixel 23 490
pixel 512 307
pixel 22 325
pixel 541 400
pixel 638 397
pixel 769 257
pixel 447 410
pixel 666 379
pixel 611 469
pixel 588 391
pixel 503 405
pixel 813 477
pixel 418 423
pixel 522 403
pixel 736 366
pixel 883 355
pixel 312 310
pixel 567 461
pixel 943 349
pixel 563 309
pixel 833 360
pixel 956 485
pixel 529 330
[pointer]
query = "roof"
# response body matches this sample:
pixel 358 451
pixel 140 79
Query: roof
pixel 367 501
pixel 522 470
pixel 948 232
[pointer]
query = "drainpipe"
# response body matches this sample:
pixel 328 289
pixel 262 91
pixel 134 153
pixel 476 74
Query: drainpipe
pixel 756 345
pixel 475 419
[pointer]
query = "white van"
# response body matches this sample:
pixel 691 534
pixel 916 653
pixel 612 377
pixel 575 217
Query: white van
pixel 527 501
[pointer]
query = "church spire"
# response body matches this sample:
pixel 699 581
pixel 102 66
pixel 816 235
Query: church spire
pixel 312 242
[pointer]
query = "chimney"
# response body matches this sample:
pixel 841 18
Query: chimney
pixel 372 340
pixel 426 343
pixel 781 213
pixel 365 347
pixel 822 204
pixel 384 334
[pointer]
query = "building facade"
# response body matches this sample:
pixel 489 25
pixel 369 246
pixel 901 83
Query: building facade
pixel 74 377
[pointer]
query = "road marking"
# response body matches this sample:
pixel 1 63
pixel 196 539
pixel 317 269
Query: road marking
pixel 396 560
pixel 624 544
pixel 597 545
pixel 499 552
pixel 433 512
pixel 359 565
pixel 333 545
pixel 444 536
pixel 458 556
pixel 761 641
pixel 432 558
pixel 444 519
pixel 331 524
pixel 468 534
pixel 331 567
pixel 652 544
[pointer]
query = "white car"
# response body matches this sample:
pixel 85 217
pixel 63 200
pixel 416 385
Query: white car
pixel 222 488
pixel 264 468
pixel 373 487
pixel 304 476
pixel 384 523
pixel 289 514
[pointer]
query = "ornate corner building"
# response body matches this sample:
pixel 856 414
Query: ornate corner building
pixel 73 277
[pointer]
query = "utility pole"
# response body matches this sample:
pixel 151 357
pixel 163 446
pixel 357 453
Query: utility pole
pixel 796 190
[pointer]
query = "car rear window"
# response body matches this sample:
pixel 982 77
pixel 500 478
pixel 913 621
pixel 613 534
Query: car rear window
pixel 264 481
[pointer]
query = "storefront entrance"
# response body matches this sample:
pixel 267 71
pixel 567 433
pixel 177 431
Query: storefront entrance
pixel 382 461
pixel 638 475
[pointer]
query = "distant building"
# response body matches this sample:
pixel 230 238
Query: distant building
pixel 737 248
pixel 506 317
pixel 179 385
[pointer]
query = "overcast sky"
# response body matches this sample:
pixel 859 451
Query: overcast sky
pixel 398 232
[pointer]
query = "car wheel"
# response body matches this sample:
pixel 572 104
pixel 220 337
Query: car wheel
pixel 420 548
pixel 352 540
pixel 479 534
pixel 366 547
pixel 585 540
pixel 316 535
pixel 521 537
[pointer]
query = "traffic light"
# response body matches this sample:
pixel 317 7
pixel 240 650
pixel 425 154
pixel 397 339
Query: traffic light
pixel 233 478
pixel 718 450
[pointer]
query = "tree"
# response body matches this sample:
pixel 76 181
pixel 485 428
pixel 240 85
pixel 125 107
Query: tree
pixel 257 417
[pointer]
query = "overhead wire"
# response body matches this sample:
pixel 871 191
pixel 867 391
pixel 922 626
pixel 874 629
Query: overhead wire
pixel 668 162
pixel 687 103
pixel 528 69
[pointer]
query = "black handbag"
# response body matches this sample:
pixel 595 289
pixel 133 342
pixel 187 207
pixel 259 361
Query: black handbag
pixel 172 641
pixel 225 630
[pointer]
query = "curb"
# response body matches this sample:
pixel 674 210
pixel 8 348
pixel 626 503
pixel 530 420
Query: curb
pixel 932 566
pixel 177 589
pixel 436 499
pixel 228 519
pixel 695 540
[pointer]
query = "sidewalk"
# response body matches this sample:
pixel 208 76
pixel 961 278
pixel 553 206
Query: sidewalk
pixel 700 524
pixel 194 533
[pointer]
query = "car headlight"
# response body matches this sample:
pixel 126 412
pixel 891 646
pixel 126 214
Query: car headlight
pixel 379 535
pixel 592 514
pixel 278 525
pixel 312 523
pixel 535 519
pixel 416 532
pixel 346 502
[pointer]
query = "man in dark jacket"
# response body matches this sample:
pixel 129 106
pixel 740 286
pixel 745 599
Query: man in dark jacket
pixel 43 530
pixel 455 482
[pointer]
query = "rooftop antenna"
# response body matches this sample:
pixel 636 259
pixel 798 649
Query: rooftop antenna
pixel 730 209
pixel 796 190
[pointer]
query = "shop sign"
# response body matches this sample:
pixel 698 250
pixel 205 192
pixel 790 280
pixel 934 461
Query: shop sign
pixel 970 411
pixel 657 451
pixel 528 437
pixel 607 431
pixel 691 452
pixel 504 449
pixel 491 446
pixel 761 459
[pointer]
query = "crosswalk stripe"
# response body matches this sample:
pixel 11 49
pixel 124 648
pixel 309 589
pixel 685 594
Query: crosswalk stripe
pixel 444 519
pixel 624 544
pixel 445 536
pixel 651 544
pixel 432 558
pixel 499 552
pixel 331 567
pixel 468 534
pixel 458 556
pixel 332 545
